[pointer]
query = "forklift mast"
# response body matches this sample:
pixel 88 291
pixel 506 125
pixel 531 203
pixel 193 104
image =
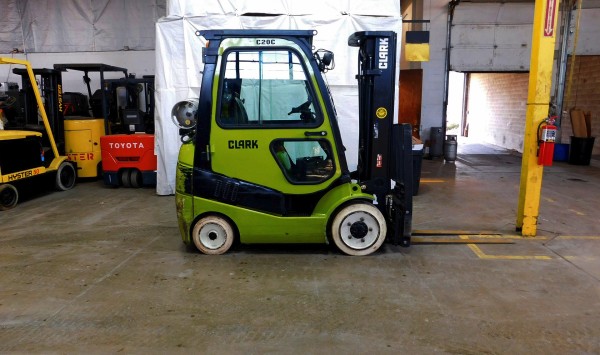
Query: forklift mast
pixel 385 148
pixel 130 102
pixel 101 69
pixel 51 91
pixel 376 94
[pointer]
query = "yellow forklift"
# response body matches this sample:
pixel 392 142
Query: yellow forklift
pixel 82 132
pixel 30 152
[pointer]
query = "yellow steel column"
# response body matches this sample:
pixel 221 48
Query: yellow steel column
pixel 538 100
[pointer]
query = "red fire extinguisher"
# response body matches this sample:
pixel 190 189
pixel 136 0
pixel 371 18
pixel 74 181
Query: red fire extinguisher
pixel 547 137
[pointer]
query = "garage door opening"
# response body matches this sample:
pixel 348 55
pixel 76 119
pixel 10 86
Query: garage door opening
pixel 487 111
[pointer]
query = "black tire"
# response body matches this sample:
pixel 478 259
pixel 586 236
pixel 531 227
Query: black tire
pixel 9 196
pixel 359 229
pixel 99 171
pixel 125 177
pixel 65 176
pixel 135 178
pixel 213 235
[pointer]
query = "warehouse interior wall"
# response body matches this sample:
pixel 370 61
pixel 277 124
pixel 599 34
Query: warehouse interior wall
pixel 432 108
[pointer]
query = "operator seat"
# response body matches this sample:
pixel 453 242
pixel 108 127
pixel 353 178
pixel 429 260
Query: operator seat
pixel 240 116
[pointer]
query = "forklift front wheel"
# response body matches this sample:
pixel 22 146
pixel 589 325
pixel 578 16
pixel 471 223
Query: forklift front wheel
pixel 213 235
pixel 65 176
pixel 359 229
pixel 9 196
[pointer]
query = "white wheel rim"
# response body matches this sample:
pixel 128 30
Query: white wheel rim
pixel 212 236
pixel 359 230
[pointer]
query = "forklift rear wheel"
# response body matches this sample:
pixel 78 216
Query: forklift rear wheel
pixel 9 196
pixel 213 235
pixel 135 178
pixel 359 229
pixel 125 177
pixel 65 176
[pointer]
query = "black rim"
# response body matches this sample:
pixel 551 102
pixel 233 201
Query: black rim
pixel 7 197
pixel 67 176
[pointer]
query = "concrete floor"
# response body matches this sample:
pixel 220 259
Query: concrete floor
pixel 103 270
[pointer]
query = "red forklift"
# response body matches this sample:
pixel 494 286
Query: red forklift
pixel 128 157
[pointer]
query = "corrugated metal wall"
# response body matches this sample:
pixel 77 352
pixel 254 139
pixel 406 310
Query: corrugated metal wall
pixel 491 37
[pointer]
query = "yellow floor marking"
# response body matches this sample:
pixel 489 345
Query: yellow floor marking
pixel 483 255
pixel 432 180
pixel 577 212
pixel 453 240
pixel 583 237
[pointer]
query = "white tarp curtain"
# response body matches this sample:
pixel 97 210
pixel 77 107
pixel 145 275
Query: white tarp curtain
pixel 179 56
pixel 78 26
pixel 328 8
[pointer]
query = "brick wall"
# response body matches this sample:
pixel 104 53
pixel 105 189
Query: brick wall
pixel 496 108
pixel 584 94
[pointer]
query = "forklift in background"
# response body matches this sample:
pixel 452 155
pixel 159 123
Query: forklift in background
pixel 28 151
pixel 128 157
pixel 262 159
pixel 82 131
pixel 117 141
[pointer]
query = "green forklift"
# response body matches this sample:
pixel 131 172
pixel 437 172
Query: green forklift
pixel 262 159
pixel 29 153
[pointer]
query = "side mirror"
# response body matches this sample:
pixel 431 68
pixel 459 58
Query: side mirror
pixel 324 60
